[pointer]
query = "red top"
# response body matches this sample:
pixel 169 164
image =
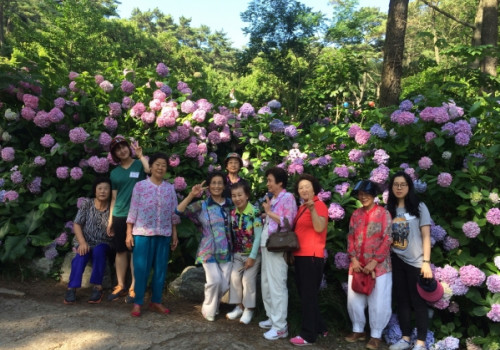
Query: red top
pixel 311 243
pixel 371 228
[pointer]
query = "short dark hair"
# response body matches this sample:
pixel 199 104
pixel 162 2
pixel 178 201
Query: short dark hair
pixel 280 175
pixel 216 173
pixel 157 155
pixel 99 180
pixel 242 184
pixel 314 181
pixel 366 186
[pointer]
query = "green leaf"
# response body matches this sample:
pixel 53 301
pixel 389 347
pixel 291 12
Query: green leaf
pixel 4 229
pixel 474 295
pixel 439 141
pixel 15 246
pixel 480 310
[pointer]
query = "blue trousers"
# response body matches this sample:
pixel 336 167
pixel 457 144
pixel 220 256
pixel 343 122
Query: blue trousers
pixel 98 254
pixel 150 252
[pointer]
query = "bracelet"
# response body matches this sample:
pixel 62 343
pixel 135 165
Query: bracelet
pixel 426 261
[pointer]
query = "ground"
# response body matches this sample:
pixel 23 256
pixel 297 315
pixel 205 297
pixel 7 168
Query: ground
pixel 38 319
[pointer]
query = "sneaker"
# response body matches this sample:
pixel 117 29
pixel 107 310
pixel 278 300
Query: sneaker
pixel 209 318
pixel 274 334
pixel 247 316
pixel 299 341
pixel 267 324
pixel 233 315
pixel 117 292
pixel 96 296
pixel 130 298
pixel 354 337
pixel 419 347
pixel 401 344
pixel 70 296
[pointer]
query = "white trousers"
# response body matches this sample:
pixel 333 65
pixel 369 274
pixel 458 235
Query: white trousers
pixel 274 274
pixel 243 287
pixel 217 275
pixel 379 306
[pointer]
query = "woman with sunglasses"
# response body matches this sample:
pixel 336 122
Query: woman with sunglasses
pixel 368 246
pixel 411 254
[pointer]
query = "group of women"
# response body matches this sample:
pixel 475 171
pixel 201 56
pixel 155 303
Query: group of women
pixel 139 214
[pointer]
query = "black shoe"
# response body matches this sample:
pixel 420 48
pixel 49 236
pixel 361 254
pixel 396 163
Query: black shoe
pixel 96 296
pixel 70 296
pixel 130 298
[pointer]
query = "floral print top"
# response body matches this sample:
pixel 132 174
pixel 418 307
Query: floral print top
pixel 215 244
pixel 285 206
pixel 247 228
pixel 371 229
pixel 152 209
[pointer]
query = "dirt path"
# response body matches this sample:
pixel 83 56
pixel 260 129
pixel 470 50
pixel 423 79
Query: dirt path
pixel 38 319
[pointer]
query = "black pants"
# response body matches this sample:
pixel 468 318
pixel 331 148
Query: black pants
pixel 404 292
pixel 308 276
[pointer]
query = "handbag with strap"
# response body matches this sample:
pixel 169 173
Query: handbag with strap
pixel 363 283
pixel 283 241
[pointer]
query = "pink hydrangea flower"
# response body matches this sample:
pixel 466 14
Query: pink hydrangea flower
pixel 341 171
pixel 381 157
pixel 137 110
pixel 220 120
pixel 115 109
pixel 106 86
pixel 42 119
pixel 353 130
pixel 155 105
pixel 174 160
pixel 444 179
pixel 204 105
pixel 356 156
pixel 429 136
pixel 192 150
pixel 214 137
pixel 62 239
pixel 47 141
pixel 62 172
pixel 148 117
pixel 165 122
pixel 425 163
pixel 78 135
pixel 180 183
pixel 471 229
pixel 494 313
pixel 493 216
pixel 55 115
pixel 76 173
pixel 471 276
pixel 362 137
pixel 493 283
pixel 203 148
pixel 336 212
pixel 39 161
pixel 403 117
pixel 73 75
pixel 10 196
pixel 160 95
pixel 98 79
pixel 199 115
pixel 188 106
pixel 8 154
pixel 110 123
pixel 30 101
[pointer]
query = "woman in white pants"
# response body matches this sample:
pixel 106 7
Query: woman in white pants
pixel 214 251
pixel 274 268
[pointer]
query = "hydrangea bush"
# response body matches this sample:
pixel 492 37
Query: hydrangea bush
pixel 55 140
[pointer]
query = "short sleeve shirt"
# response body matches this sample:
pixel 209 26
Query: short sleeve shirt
pixel 94 223
pixel 124 180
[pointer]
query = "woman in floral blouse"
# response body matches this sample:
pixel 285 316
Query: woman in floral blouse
pixel 368 245
pixel 214 251
pixel 247 228
pixel 152 232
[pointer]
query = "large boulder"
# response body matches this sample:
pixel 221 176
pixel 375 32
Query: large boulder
pixel 107 282
pixel 190 284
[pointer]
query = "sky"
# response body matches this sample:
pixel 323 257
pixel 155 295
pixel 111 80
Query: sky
pixel 222 14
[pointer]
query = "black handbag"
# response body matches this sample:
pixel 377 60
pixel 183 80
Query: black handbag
pixel 285 241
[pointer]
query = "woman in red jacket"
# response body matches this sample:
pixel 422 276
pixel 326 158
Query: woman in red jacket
pixel 310 225
pixel 368 244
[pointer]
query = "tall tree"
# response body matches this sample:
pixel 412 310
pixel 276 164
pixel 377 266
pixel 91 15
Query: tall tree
pixel 392 70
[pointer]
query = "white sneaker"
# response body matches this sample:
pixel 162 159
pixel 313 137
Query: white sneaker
pixel 209 318
pixel 233 315
pixel 267 324
pixel 247 316
pixel 274 334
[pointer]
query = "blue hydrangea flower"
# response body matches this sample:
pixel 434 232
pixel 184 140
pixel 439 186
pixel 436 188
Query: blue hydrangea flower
pixel 420 186
pixel 276 125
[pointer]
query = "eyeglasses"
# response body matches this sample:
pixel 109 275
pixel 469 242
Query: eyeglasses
pixel 401 185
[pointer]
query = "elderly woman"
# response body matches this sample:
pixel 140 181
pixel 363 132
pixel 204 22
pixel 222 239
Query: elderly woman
pixel 368 246
pixel 247 227
pixel 151 233
pixel 233 164
pixel 214 251
pixel 411 257
pixel 92 241
pixel 310 226
pixel 274 268
pixel 123 179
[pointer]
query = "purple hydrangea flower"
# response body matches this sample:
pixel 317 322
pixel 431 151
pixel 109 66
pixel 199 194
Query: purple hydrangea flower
pixel 438 233
pixel 263 138
pixel 324 195
pixel 492 216
pixel 462 139
pixel 46 141
pixel 127 87
pixel 471 229
pixel 336 212
pixel 110 123
pixel 274 104
pixel 76 173
pixel 162 70
pixel 264 110
pixel 341 171
pixel 8 154
pixel 406 105
pixel 458 287
pixel 27 113
pixel 16 177
pixel 448 343
pixel 429 136
pixel 403 117
pixel 55 115
pixel 471 276
pixel 378 131
pixel 39 161
pixel 10 196
pixel 35 186
pixel 51 252
pixel 342 261
pixel 342 188
pixel 106 86
pixel 444 179
pixel 380 174
pixel 214 137
pixel 356 155
pixel 192 150
pixel 62 172
pixel 220 119
pixel 450 243
pixel 276 125
pixel 291 131
pixel 381 157
pixel 353 130
pixel 247 110
pixel 62 239
pixel 420 186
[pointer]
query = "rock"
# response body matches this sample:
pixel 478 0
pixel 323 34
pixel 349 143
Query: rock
pixel 11 292
pixel 66 271
pixel 191 285
pixel 42 265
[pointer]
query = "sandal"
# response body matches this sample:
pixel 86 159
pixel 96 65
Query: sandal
pixel 159 308
pixel 136 310
pixel 117 292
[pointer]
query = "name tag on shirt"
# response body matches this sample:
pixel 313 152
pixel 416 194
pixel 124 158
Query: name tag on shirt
pixel 134 174
pixel 409 217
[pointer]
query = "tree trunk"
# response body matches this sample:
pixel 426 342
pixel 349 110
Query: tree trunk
pixel 476 35
pixel 392 69
pixel 2 32
pixel 489 36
